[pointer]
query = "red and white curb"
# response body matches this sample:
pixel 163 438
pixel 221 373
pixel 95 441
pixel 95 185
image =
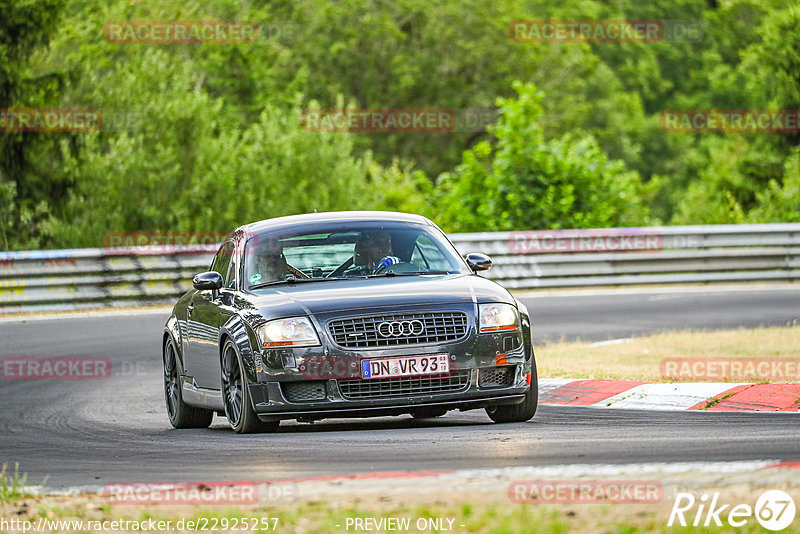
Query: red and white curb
pixel 707 396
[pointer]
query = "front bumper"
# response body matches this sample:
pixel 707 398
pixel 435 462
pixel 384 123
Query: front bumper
pixel 332 374
pixel 271 403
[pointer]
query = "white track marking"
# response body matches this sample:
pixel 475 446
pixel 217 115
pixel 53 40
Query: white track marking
pixel 666 396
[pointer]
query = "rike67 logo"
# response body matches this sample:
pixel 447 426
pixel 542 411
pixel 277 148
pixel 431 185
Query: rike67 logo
pixel 774 510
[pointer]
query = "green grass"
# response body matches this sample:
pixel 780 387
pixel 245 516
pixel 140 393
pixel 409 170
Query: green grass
pixel 713 402
pixel 640 358
pixel 12 487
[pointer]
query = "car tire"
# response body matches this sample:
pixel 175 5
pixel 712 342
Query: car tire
pixel 518 413
pixel 236 396
pixel 181 415
pixel 428 413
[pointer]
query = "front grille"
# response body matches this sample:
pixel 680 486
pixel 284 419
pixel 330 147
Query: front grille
pixel 304 391
pixel 363 332
pixel 391 387
pixel 496 377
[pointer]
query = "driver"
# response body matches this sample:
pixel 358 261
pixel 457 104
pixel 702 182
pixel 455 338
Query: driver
pixel 373 251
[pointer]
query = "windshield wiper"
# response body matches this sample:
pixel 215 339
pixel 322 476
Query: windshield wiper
pixel 292 280
pixel 411 273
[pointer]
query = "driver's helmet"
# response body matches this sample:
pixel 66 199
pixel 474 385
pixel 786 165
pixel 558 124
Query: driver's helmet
pixel 371 248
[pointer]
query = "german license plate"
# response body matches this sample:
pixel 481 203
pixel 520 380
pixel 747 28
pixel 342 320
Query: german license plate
pixel 405 366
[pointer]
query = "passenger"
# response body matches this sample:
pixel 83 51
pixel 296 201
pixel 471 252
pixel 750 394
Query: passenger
pixel 270 264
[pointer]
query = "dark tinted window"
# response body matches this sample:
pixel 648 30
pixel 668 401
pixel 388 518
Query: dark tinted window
pixel 230 278
pixel 346 249
pixel 222 260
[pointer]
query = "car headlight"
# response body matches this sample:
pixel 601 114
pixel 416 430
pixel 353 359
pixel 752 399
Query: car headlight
pixel 291 332
pixel 498 317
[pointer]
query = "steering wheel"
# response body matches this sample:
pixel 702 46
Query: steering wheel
pixel 341 269
pixel 395 264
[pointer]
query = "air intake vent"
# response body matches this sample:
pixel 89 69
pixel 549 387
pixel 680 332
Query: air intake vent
pixel 391 387
pixel 304 391
pixel 496 377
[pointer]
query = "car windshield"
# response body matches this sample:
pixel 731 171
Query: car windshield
pixel 348 250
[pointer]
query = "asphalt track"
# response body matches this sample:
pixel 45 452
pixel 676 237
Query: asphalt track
pixel 91 433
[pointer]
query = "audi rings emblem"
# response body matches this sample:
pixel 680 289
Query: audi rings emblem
pixel 401 328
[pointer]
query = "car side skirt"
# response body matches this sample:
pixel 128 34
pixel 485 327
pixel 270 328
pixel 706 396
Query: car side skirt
pixel 210 399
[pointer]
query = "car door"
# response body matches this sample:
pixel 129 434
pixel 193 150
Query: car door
pixel 204 320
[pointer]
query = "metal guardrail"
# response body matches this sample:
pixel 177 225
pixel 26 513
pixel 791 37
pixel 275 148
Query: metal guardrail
pixel 55 280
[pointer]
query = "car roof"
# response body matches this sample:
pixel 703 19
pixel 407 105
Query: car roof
pixel 334 216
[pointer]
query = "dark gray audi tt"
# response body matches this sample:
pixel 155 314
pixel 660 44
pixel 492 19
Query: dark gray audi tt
pixel 346 314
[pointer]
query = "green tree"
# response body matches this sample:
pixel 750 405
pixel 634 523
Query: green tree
pixel 529 182
pixel 25 199
pixel 780 202
pixel 198 135
pixel 742 171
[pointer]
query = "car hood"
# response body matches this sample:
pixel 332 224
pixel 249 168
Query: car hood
pixel 391 292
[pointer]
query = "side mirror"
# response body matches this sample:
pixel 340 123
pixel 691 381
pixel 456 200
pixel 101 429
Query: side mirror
pixel 477 261
pixel 211 280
